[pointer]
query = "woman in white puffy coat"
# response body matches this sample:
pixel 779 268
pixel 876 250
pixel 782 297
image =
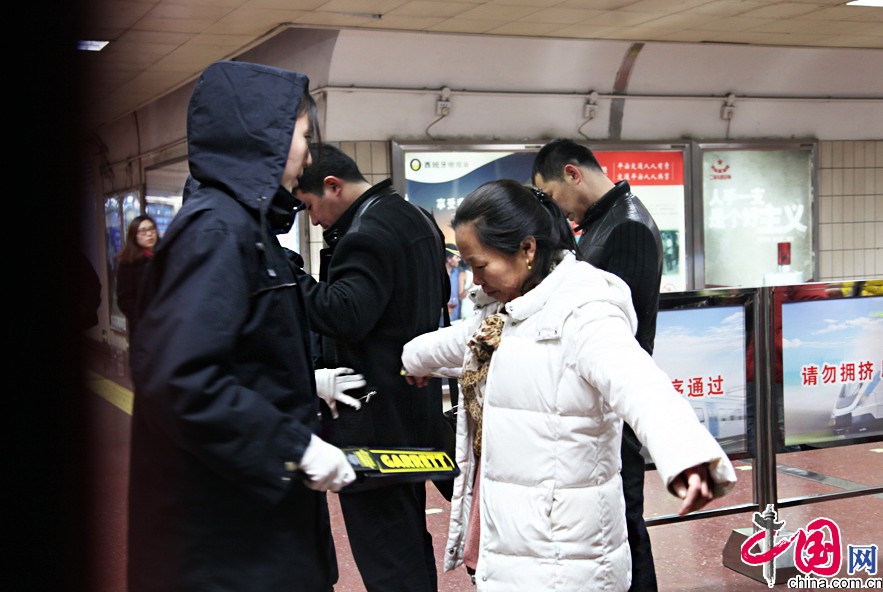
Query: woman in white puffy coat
pixel 550 370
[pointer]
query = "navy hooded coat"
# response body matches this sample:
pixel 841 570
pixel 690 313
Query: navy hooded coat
pixel 225 399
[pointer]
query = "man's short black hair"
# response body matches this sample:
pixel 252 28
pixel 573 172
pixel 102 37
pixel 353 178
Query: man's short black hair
pixel 328 160
pixel 552 157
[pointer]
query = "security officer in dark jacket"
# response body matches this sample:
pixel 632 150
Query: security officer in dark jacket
pixel 619 236
pixel 228 479
pixel 382 284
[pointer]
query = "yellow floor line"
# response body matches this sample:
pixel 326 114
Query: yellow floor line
pixel 110 391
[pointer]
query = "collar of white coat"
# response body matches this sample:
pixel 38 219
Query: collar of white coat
pixel 570 285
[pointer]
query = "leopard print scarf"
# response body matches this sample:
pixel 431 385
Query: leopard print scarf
pixel 482 346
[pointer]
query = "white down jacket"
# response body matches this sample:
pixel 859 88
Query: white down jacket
pixel 567 369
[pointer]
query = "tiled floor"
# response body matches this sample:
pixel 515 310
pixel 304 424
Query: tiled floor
pixel 688 554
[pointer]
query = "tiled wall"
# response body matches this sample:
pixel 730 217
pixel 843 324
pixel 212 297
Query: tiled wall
pixel 850 212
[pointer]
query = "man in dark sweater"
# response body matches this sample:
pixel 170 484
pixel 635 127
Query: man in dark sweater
pixel 382 283
pixel 618 236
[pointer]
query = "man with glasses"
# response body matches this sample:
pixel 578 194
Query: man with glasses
pixel 383 283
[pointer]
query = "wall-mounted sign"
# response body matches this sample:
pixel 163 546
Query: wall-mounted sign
pixel 753 200
pixel 438 178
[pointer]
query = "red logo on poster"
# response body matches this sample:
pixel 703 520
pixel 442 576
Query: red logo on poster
pixel 719 170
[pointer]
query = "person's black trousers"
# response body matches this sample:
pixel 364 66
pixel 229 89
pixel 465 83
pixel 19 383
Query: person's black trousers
pixel 643 571
pixel 389 539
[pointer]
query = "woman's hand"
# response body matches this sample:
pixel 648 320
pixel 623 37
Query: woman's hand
pixel 694 486
pixel 418 381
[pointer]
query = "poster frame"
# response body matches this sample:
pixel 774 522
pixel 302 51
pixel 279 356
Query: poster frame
pixel 699 148
pixel 748 299
pixel 807 292
pixel 398 148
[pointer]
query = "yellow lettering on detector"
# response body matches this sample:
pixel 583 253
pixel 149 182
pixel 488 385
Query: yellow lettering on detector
pixel 418 461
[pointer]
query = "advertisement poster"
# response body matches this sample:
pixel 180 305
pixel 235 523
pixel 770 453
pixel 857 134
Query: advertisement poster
pixel 832 362
pixel 439 180
pixel 703 352
pixel 754 200
pixel 657 178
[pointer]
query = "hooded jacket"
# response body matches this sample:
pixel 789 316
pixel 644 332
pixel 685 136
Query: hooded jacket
pixel 566 373
pixel 225 400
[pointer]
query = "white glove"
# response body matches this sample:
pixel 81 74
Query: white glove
pixel 332 382
pixel 325 466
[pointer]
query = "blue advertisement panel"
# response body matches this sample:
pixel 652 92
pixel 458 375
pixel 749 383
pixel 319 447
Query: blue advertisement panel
pixel 703 350
pixel 437 178
pixel 832 363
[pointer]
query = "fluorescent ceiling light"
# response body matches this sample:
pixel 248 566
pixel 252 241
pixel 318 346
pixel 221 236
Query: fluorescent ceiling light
pixel 877 3
pixel 91 45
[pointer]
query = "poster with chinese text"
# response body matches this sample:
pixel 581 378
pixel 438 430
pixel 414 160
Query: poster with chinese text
pixel 832 353
pixel 703 351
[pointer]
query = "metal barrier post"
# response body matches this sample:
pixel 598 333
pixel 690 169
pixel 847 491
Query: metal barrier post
pixel 765 428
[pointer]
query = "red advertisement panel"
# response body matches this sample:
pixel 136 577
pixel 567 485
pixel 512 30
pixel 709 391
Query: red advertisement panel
pixel 644 168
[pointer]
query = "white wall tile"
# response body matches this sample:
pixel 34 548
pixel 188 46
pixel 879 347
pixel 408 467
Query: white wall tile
pixel 837 236
pixel 837 155
pixel 363 157
pixel 870 154
pixel 870 265
pixel 826 155
pixel 826 233
pixel 849 181
pixel 836 209
pixel 858 263
pixel 847 204
pixel 859 177
pixel 878 153
pixel 859 154
pixel 825 266
pixel 836 182
pixel 826 209
pixel 868 211
pixel 848 268
pixel 848 155
pixel 849 236
pixel 825 182
pixel 836 264
pixel 870 235
pixel 380 158
pixel 870 184
pixel 878 262
pixel 878 234
pixel 858 235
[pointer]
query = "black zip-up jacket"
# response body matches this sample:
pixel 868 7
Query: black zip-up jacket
pixel 382 285
pixel 620 236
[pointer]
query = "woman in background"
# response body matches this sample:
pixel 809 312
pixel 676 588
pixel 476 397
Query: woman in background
pixel 550 369
pixel 141 241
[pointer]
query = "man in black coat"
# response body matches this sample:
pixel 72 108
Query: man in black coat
pixel 382 283
pixel 228 478
pixel 619 236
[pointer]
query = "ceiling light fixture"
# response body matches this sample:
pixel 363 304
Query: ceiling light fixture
pixel 877 3
pixel 91 45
